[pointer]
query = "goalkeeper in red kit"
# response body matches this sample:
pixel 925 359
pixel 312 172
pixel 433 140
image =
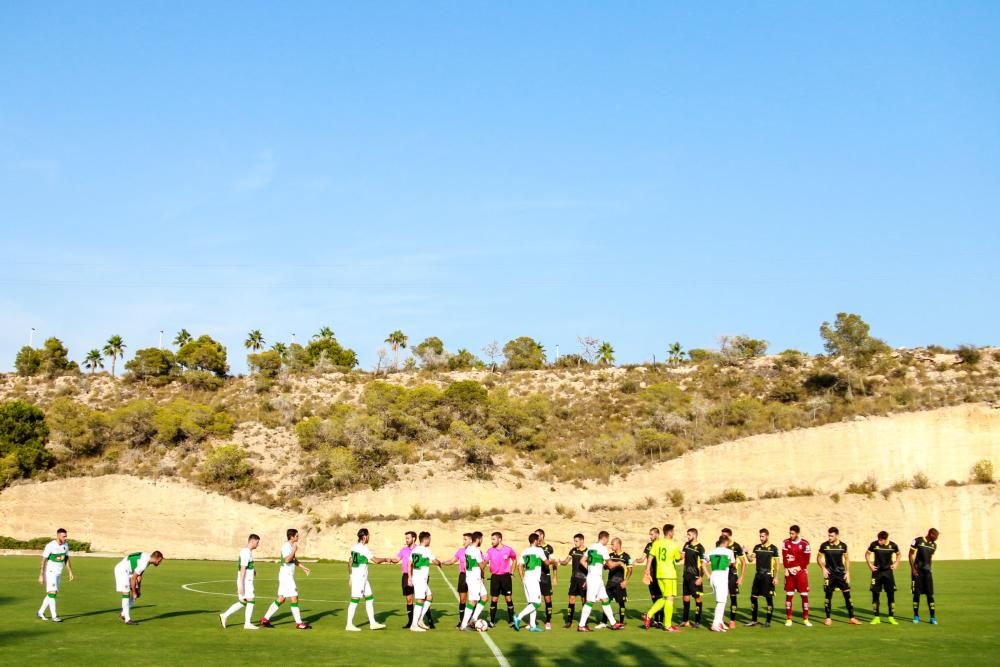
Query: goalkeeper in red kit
pixel 795 555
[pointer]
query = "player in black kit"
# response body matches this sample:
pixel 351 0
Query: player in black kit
pixel 694 554
pixel 549 576
pixel 766 557
pixel 618 577
pixel 654 587
pixel 883 558
pixel 736 570
pixel 921 552
pixel 834 562
pixel 578 575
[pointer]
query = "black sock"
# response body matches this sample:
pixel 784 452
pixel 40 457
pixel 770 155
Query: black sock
pixel 732 607
pixel 828 604
pixel 850 605
pixel 461 611
pixel 753 606
pixel 510 612
pixel 572 612
pixel 770 607
pixel 548 611
pixel 687 611
pixel 493 612
pixel 916 605
pixel 429 619
pixel 697 615
pixel 891 599
pixel 409 614
pixel 930 605
pixel 875 603
pixel 621 613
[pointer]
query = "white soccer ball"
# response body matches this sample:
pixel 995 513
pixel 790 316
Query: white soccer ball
pixel 482 625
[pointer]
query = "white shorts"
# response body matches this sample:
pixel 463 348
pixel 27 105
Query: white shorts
pixel 52 578
pixel 248 589
pixel 596 590
pixel 533 591
pixel 286 586
pixel 720 585
pixel 421 586
pixel 477 588
pixel 122 577
pixel 360 586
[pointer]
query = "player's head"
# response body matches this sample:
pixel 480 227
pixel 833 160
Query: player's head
pixel 728 531
pixel 363 536
pixel 932 534
pixel 692 534
pixel 578 540
pixel 424 537
pixel 654 533
pixel 466 539
pixel 292 535
pixel 603 536
pixel 61 536
pixel 616 544
pixel 410 538
pixel 668 530
pixel 833 533
pixel 541 535
pixel 477 538
pixel 723 541
pixel 253 541
pixel 765 535
pixel 533 539
pixel 883 537
pixel 156 558
pixel 496 537
pixel 793 531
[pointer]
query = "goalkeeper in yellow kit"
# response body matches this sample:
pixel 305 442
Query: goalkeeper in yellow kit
pixel 667 554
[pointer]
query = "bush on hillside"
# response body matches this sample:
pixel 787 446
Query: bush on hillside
pixel 969 355
pixel 82 430
pixel 184 420
pixel 982 472
pixel 226 468
pixel 38 543
pixel 23 435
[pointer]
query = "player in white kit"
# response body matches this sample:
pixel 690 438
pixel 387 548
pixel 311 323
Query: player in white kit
pixel 245 595
pixel 128 579
pixel 475 601
pixel 597 560
pixel 530 569
pixel 716 568
pixel 55 557
pixel 286 582
pixel 357 569
pixel 419 575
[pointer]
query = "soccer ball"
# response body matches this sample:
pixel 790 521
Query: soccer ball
pixel 482 625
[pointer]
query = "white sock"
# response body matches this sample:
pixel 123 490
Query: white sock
pixel 296 612
pixel 527 610
pixel 52 607
pixel 45 605
pixel 467 616
pixel 370 610
pixel 533 616
pixel 125 609
pixel 351 608
pixel 584 615
pixel 609 614
pixel 427 608
pixel 248 614
pixel 235 607
pixel 271 611
pixel 418 613
pixel 479 610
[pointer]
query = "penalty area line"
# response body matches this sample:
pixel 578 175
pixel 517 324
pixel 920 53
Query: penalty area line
pixel 497 653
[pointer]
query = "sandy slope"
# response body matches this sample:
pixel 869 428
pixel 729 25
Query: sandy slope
pixel 119 513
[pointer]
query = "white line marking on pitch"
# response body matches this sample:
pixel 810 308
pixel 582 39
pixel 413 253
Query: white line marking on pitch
pixel 486 637
pixel 189 589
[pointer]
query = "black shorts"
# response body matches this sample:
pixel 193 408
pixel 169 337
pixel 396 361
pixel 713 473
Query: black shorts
pixel 883 581
pixel 689 588
pixel 463 585
pixel 407 589
pixel 836 582
pixel 763 584
pixel 617 593
pixel 577 586
pixel 545 585
pixel 734 588
pixel 923 583
pixel 501 584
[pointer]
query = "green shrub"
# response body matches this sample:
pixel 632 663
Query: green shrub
pixel 969 355
pixel 728 496
pixel 80 429
pixel 866 488
pixel 524 353
pixel 266 364
pixel 132 424
pixel 771 493
pixel 920 481
pixel 204 354
pixel 226 468
pixel 675 497
pixel 565 511
pixel 982 472
pixel 38 543
pixel 151 362
pixel 28 361
pixel 184 420
pixel 800 491
pixel 23 434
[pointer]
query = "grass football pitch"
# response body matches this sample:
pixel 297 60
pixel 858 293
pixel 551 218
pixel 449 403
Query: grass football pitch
pixel 179 622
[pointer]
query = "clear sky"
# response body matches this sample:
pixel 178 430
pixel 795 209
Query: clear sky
pixel 641 172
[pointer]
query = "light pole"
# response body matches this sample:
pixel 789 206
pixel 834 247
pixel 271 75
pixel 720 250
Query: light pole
pixel 31 337
pixel 557 353
pixel 161 339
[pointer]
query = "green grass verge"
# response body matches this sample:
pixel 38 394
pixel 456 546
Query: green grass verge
pixel 177 624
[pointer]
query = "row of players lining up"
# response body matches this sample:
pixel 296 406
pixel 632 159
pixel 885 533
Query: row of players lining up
pixel 537 568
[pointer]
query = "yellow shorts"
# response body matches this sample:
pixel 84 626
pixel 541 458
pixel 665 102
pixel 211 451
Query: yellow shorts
pixel 668 587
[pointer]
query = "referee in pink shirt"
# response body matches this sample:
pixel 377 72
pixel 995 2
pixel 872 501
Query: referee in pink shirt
pixel 500 559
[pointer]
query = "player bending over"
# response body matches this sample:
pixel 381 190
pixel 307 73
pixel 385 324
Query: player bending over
pixel 883 558
pixel 128 579
pixel 357 570
pixel 55 557
pixel 245 596
pixel 287 590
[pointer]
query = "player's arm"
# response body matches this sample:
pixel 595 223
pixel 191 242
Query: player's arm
pixel 628 575
pixel 450 561
pixel 409 572
pixel 774 567
pixel 913 561
pixel 647 575
pixel 133 583
pixel 41 567
pixel 821 561
pixel 868 559
pixel 896 558
pixel 741 568
pixel 302 567
pixel 847 567
pixel 241 581
pixel 436 562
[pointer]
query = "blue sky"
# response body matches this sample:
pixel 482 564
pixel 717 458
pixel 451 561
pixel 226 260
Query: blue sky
pixel 637 172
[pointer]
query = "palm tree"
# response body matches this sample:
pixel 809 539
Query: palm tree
pixel 282 351
pixel 674 352
pixel 93 361
pixel 114 348
pixel 606 353
pixel 396 340
pixel 254 341
pixel 326 333
pixel 182 338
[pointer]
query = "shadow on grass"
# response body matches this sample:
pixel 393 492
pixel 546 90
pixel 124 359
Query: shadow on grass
pixel 9 637
pixel 174 614
pixel 312 618
pixel 591 652
pixel 101 612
